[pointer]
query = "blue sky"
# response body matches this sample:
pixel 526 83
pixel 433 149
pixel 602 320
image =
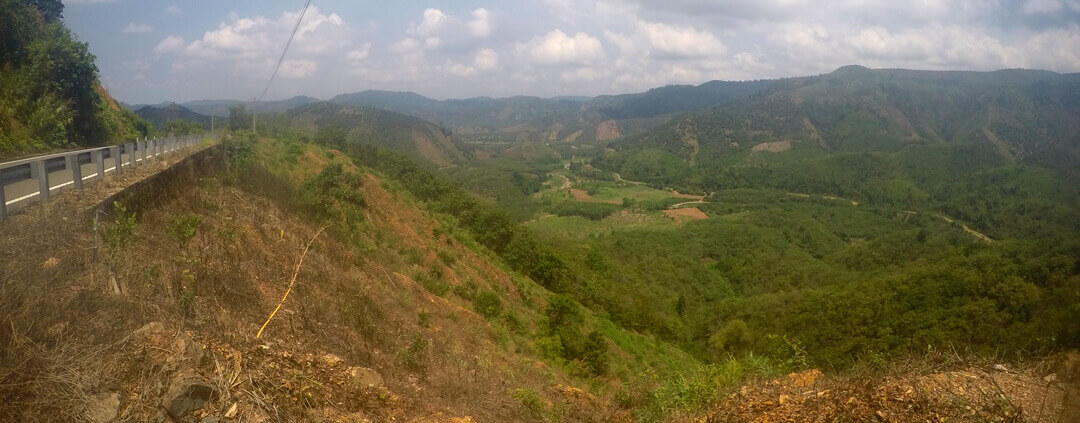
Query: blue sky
pixel 151 51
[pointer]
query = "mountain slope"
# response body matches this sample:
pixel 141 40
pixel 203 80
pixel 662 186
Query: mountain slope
pixel 556 119
pixel 50 97
pixel 158 116
pixel 335 124
pixel 220 108
pixel 897 138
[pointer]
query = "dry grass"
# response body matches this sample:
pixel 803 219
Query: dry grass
pixel 937 388
pixel 66 338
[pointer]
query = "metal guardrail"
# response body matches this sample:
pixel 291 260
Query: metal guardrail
pixel 33 179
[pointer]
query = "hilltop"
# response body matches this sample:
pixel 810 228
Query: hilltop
pixel 161 115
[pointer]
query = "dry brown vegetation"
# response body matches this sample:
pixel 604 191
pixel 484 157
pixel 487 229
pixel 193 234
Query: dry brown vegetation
pixel 936 388
pixel 357 340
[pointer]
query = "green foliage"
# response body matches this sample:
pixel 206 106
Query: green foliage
pixel 423 319
pixel 434 282
pixel 595 354
pixel 467 290
pixel 49 96
pixel 415 355
pixel 239 118
pixel 531 400
pixel 733 338
pixel 334 195
pixel 487 304
pixel 183 227
pixel 588 210
pixel 181 127
pixel 121 232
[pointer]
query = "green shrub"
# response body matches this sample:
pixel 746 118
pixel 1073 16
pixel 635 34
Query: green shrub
pixel 733 338
pixel 433 282
pixel 467 290
pixel 119 234
pixel 591 211
pixel 415 355
pixel 424 319
pixel 183 227
pixel 447 257
pixel 514 323
pixel 487 304
pixel 530 400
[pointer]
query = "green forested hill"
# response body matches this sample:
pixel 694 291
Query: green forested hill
pixel 334 124
pixel 996 149
pixel 50 96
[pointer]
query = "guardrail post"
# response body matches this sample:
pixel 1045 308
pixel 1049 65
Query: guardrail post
pixel 97 157
pixel 131 152
pixel 72 163
pixel 41 174
pixel 117 158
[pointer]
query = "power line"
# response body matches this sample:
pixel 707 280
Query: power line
pixel 287 44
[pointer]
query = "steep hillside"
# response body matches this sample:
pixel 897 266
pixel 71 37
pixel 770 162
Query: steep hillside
pixel 387 311
pixel 159 116
pixel 50 97
pixel 334 124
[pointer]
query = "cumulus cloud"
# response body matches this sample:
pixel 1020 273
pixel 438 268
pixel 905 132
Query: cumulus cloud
pixel 486 59
pixel 558 48
pixel 171 44
pixel 174 10
pixel 553 47
pixel 298 69
pixel 480 25
pixel 133 28
pixel 252 45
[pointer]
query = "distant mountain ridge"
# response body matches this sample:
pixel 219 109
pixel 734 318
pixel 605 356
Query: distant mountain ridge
pixel 158 115
pixel 521 118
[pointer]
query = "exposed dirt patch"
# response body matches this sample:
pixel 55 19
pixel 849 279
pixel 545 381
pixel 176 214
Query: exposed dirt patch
pixel 580 194
pixel 772 147
pixel 607 130
pixel 676 194
pixel 692 213
pixel 974 394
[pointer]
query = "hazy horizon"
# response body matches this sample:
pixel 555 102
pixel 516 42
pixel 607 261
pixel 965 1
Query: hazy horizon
pixel 156 51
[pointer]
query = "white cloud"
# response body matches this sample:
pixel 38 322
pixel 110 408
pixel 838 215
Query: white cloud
pixel 252 45
pixel 434 19
pixel 480 25
pixel 133 28
pixel 174 10
pixel 459 69
pixel 558 48
pixel 486 59
pixel 298 69
pixel 682 41
pixel 360 54
pixel 171 44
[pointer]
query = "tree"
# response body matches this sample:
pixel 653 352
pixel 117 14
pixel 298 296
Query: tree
pixel 239 119
pixel 733 338
pixel 51 10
